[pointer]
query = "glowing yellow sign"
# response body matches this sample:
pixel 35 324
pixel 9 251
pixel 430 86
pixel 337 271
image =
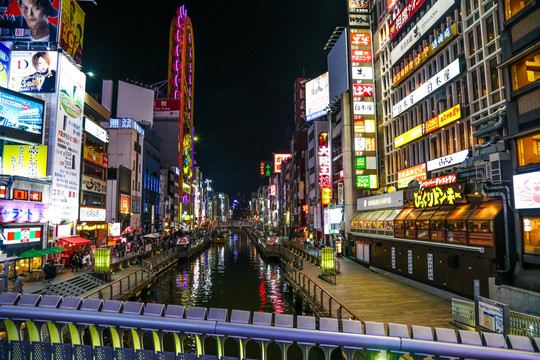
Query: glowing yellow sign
pixel 409 136
pixel 436 196
pixel 25 160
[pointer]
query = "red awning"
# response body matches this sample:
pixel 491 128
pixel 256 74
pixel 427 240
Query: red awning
pixel 300 228
pixel 76 240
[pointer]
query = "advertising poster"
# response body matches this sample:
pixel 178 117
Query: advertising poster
pixel 67 143
pixel 72 29
pixel 4 64
pixel 17 23
pixel 13 211
pixel 21 113
pixel 317 97
pixel 25 160
pixel 33 71
pixel 527 190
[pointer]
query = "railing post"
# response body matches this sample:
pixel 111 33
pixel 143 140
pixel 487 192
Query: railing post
pixel 129 282
pixel 120 286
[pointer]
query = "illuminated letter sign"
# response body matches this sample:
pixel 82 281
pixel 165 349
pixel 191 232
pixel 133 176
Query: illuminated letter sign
pixel 404 15
pixel 273 191
pixel 448 160
pixel 409 136
pixel 436 196
pixel 441 180
pixel 326 195
pixel 443 118
pixel 21 235
pixel 22 211
pixel 440 79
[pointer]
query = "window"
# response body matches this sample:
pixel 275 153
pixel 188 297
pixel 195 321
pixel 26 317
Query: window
pixel 512 7
pixel 494 74
pixel 490 28
pixel 529 150
pixel 531 235
pixel 526 71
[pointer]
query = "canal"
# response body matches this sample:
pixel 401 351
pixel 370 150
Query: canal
pixel 231 276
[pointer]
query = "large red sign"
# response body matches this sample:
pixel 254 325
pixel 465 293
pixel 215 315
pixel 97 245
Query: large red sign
pixel 278 159
pixel 359 39
pixel 441 180
pixel 363 90
pixel 405 14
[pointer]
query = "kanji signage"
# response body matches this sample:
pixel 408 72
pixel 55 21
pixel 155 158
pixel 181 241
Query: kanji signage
pixel 404 15
pixel 444 118
pixel 266 169
pixel 448 160
pixel 441 78
pixel 324 161
pixel 439 196
pixel 362 90
pixel 326 195
pixel 405 176
pixel 278 159
pixel 361 56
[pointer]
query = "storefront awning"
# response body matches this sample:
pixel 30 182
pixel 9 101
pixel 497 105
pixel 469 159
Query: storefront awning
pixel 486 211
pixel 75 240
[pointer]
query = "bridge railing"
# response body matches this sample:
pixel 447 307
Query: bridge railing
pixel 74 328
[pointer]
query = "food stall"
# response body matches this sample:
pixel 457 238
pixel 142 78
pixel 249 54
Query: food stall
pixel 456 223
pixel 70 245
pixel 481 224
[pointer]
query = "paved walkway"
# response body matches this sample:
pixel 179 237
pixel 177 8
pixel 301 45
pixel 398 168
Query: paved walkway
pixel 374 296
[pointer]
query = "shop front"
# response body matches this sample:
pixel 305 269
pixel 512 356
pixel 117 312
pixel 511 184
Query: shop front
pixel 375 216
pixel 18 240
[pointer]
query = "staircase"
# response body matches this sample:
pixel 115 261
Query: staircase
pixel 73 287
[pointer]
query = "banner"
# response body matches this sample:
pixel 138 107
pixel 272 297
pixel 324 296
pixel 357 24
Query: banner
pixel 66 160
pixel 19 25
pixel 72 29
pixel 33 71
pixel 12 211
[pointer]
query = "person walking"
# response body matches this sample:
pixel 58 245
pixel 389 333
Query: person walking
pixel 87 261
pixel 50 272
pixel 18 285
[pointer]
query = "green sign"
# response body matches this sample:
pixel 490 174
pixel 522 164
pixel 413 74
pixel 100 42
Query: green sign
pixel 360 162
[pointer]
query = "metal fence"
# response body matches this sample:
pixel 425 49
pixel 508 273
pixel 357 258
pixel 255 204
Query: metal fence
pixel 464 312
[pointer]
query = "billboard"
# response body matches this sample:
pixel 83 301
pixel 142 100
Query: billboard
pixel 135 102
pixel 4 64
pixel 14 211
pixel 67 133
pixel 317 97
pixel 25 160
pixel 72 29
pixel 278 159
pixel 300 101
pixel 19 23
pixel 527 190
pixel 33 71
pixel 21 112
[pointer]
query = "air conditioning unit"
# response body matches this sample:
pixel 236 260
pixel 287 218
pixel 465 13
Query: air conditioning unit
pixel 499 164
pixel 483 171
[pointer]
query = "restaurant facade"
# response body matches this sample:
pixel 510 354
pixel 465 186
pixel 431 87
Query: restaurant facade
pixel 438 235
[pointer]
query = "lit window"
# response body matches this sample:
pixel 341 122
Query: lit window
pixel 529 150
pixel 531 235
pixel 526 70
pixel 512 7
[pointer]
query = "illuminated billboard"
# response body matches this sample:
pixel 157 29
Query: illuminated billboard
pixel 27 234
pixel 4 65
pixel 409 136
pixel 405 176
pixel 72 29
pixel 67 134
pixel 167 108
pixel 18 26
pixel 527 190
pixel 21 112
pixel 124 203
pixel 33 71
pixel 278 159
pixel 317 97
pixel 358 6
pixel 403 16
pixel 25 160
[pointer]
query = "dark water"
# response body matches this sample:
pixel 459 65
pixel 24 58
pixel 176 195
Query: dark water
pixel 231 276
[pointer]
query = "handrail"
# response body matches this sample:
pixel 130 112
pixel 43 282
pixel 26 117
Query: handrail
pixel 313 289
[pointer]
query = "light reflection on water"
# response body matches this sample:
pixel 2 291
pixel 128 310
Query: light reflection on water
pixel 230 275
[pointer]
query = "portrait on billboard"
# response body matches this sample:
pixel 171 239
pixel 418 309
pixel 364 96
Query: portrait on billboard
pixel 33 71
pixel 29 20
pixel 72 29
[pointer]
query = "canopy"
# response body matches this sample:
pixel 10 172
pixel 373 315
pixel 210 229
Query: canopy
pixel 52 250
pixel 76 240
pixel 31 253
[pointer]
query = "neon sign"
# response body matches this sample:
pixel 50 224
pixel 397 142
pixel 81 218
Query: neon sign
pixel 436 196
pixel 324 161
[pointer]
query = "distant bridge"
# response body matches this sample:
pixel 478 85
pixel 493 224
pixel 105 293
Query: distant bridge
pixel 45 327
pixel 236 224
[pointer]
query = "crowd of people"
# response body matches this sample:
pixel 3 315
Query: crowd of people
pixel 80 261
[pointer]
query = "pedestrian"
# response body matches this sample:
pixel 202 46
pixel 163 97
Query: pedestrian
pixel 75 260
pixel 50 272
pixel 18 285
pixel 87 261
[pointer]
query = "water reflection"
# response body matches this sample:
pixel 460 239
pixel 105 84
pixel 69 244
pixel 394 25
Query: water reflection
pixel 230 275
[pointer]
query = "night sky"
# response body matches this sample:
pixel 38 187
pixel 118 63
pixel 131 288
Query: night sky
pixel 247 57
